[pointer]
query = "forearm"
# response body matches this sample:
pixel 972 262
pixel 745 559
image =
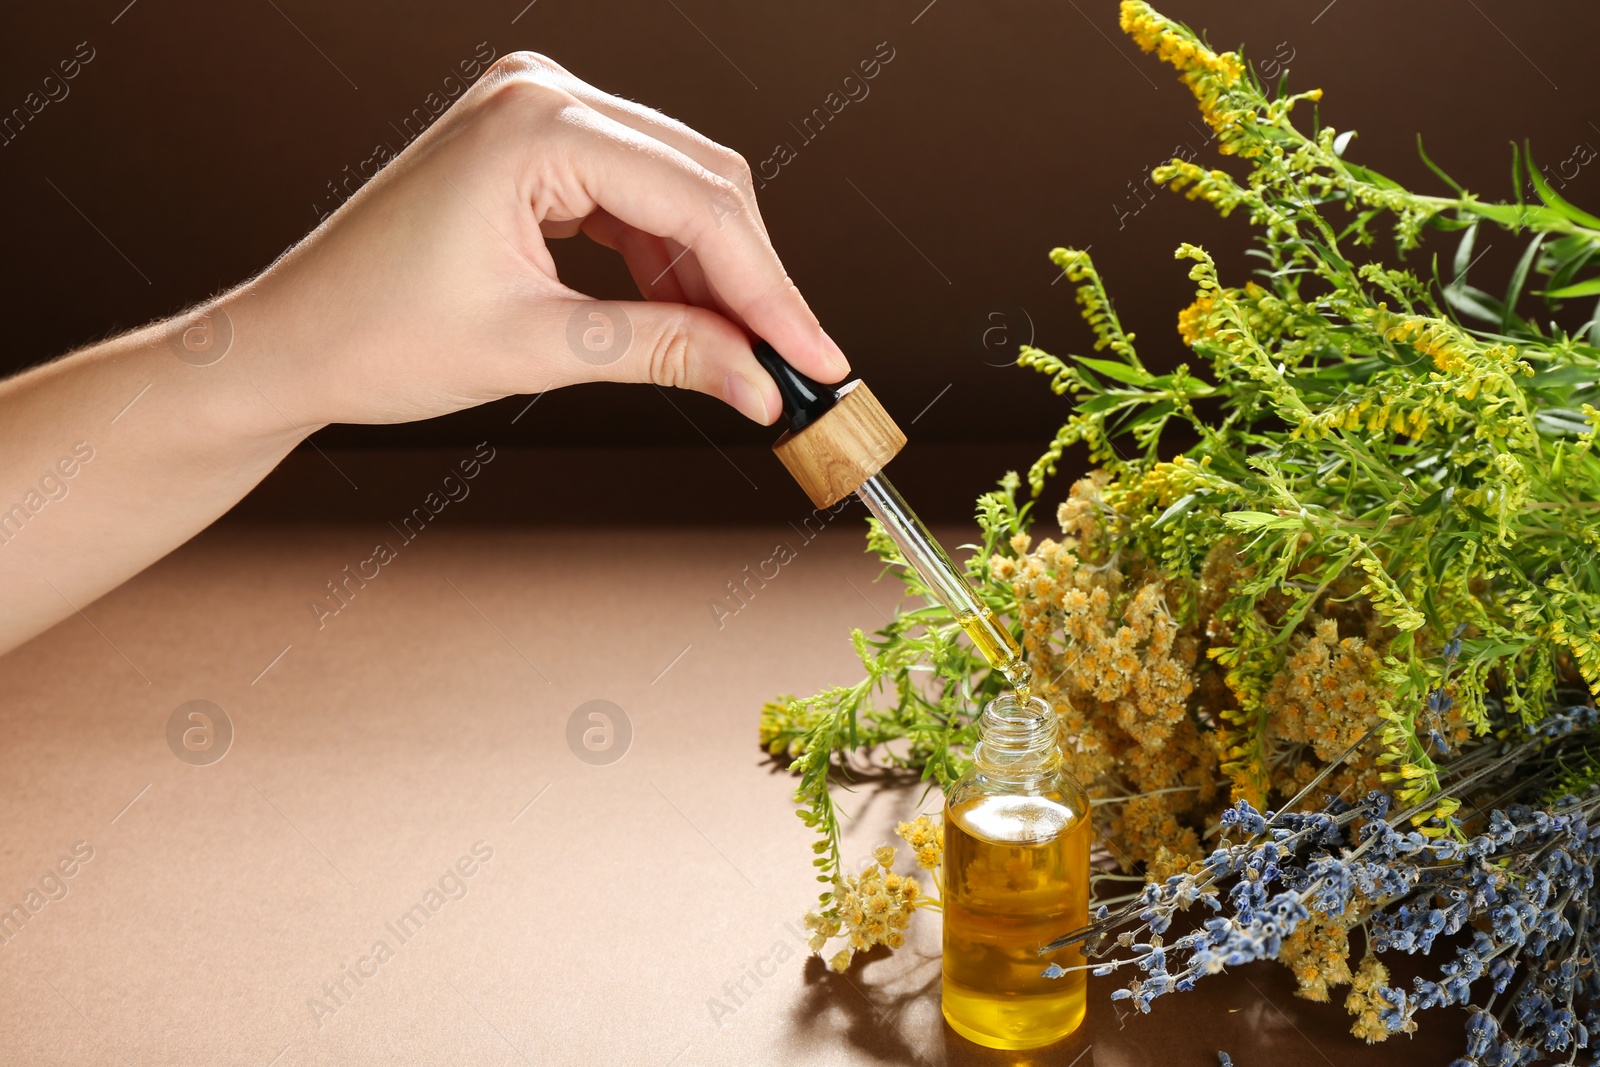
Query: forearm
pixel 429 291
pixel 116 454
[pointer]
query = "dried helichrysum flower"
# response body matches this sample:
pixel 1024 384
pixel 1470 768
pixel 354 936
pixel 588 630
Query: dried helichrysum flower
pixel 925 839
pixel 874 906
pixel 1365 1003
pixel 1325 698
pixel 1117 667
pixel 1318 955
pixel 822 928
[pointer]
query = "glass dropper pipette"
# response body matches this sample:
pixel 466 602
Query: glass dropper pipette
pixel 924 553
pixel 837 443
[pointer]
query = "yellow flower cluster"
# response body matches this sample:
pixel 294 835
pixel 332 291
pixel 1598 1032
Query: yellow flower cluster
pixel 1470 381
pixel 1318 954
pixel 1452 351
pixel 1402 413
pixel 1215 187
pixel 1158 488
pixel 873 907
pixel 1581 639
pixel 1153 32
pixel 784 723
pixel 1091 296
pixel 1211 76
pixel 1193 321
pixel 1387 598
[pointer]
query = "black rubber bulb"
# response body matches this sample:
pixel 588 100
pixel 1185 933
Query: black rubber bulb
pixel 804 401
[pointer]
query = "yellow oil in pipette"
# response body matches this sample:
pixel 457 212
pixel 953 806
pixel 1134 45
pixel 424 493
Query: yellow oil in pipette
pixel 997 645
pixel 929 559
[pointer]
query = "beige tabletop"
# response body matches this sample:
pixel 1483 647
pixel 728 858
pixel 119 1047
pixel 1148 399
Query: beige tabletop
pixel 400 775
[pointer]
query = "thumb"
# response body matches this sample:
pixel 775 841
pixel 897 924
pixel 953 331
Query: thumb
pixel 677 345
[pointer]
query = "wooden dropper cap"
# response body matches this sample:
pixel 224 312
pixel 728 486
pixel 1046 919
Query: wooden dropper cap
pixel 837 438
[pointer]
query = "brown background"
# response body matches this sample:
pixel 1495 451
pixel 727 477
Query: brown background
pixel 371 752
pixel 202 135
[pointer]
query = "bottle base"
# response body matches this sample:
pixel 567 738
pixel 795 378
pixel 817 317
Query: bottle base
pixel 1012 1022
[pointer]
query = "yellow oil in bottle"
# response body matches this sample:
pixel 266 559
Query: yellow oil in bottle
pixel 1016 877
pixel 995 642
pixel 1016 831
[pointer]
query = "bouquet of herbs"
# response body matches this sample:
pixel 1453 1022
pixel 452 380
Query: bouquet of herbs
pixel 1329 671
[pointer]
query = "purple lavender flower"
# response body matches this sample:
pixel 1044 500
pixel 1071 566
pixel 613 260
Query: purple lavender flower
pixel 1517 873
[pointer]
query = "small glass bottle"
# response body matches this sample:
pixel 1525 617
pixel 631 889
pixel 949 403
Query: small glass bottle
pixel 1016 876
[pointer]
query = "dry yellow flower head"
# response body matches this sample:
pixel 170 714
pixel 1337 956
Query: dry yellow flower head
pixel 872 906
pixel 1318 953
pixel 1364 1004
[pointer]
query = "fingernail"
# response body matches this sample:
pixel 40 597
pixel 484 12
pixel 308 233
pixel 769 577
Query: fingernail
pixel 739 392
pixel 836 361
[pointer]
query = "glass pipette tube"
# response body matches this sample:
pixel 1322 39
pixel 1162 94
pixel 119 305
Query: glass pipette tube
pixel 930 560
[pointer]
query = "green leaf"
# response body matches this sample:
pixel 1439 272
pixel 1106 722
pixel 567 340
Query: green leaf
pixel 1556 200
pixel 1547 378
pixel 1330 257
pixel 1463 260
pixel 1434 501
pixel 1366 174
pixel 1360 224
pixel 1516 172
pixel 1519 277
pixel 1191 387
pixel 1561 422
pixel 1474 302
pixel 1104 402
pixel 1178 507
pixel 1566 265
pixel 1261 520
pixel 1587 287
pixel 1517 216
pixel 1121 372
pixel 1431 165
pixel 1497 651
pixel 1159 410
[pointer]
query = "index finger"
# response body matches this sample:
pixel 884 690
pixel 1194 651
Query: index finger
pixel 655 187
pixel 647 120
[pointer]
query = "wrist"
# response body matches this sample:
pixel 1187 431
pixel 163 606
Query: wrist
pixel 212 371
pixel 236 356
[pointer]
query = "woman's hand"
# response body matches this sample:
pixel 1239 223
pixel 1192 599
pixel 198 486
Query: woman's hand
pixel 430 290
pixel 433 289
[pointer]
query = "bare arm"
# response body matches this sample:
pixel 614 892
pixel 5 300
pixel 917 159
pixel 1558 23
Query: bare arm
pixel 429 291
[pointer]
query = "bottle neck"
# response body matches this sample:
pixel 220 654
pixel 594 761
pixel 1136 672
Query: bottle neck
pixel 1017 742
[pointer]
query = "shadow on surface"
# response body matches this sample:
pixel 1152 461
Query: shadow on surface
pixel 868 1010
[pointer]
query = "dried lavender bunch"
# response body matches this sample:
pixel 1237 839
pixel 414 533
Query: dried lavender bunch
pixel 1516 877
